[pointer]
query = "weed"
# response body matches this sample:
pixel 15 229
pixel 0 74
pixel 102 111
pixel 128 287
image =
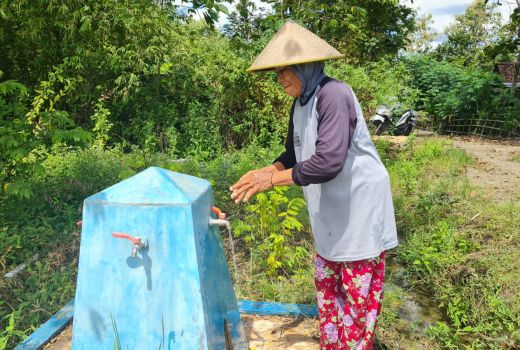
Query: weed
pixel 10 333
pixel 269 223
pixel 117 340
pixel 443 246
pixel 456 244
pixel 459 246
pixel 443 333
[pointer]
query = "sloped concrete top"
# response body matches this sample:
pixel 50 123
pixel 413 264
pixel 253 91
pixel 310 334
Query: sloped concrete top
pixel 153 186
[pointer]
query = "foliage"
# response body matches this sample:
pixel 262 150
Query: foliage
pixel 448 91
pixel 163 84
pixel 24 131
pixel 365 30
pixel 468 37
pixel 9 332
pixel 457 261
pixel 130 73
pixel 507 47
pixel 243 23
pixel 378 83
pixel 16 139
pixel 268 229
pixel 441 248
pixel 210 9
pixel 421 40
pixel 204 102
pixel 37 35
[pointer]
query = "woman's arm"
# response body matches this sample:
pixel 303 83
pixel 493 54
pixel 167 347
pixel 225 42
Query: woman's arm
pixel 288 157
pixel 282 178
pixel 276 166
pixel 336 124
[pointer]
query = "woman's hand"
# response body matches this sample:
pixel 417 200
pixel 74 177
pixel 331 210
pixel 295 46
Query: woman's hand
pixel 252 182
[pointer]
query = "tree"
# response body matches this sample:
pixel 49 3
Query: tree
pixel 473 31
pixel 24 131
pixel 242 23
pixel 210 9
pixel 508 45
pixel 365 30
pixel 132 72
pixel 421 40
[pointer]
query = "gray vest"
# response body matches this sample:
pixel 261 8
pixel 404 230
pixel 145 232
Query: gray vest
pixel 352 215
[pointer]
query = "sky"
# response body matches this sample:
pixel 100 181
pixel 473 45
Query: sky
pixel 444 11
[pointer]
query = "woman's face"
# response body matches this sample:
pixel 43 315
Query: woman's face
pixel 289 80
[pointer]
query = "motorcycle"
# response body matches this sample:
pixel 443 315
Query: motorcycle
pixel 406 124
pixel 382 121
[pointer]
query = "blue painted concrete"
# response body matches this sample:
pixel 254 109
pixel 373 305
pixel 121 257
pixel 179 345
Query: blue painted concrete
pixel 57 322
pixel 278 309
pixel 49 329
pixel 177 292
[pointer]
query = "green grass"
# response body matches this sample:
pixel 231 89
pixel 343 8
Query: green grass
pixel 45 223
pixel 457 247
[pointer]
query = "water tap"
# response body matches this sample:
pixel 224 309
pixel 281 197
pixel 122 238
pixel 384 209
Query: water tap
pixel 221 221
pixel 139 243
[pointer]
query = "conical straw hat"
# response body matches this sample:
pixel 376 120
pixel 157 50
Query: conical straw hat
pixel 293 44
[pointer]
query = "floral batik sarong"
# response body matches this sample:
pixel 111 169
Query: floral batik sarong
pixel 349 298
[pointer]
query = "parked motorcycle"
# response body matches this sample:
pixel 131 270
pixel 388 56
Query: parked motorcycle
pixel 406 124
pixel 382 121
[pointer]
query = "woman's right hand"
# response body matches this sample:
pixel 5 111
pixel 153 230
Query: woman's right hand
pixel 267 170
pixel 252 182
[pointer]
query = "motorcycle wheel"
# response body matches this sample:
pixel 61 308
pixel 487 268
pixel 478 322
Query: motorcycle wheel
pixel 409 129
pixel 380 129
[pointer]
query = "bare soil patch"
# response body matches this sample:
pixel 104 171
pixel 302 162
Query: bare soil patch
pixel 497 170
pixel 497 167
pixel 273 332
pixel 62 341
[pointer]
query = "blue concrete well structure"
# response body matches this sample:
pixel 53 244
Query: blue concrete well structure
pixel 176 293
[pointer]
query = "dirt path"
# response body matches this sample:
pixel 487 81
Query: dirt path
pixel 497 167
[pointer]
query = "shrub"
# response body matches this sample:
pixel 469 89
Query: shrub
pixel 268 229
pixel 448 91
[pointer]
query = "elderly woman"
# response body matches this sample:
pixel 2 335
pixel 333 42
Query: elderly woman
pixel 329 152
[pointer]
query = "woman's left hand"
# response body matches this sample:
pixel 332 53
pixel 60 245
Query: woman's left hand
pixel 252 182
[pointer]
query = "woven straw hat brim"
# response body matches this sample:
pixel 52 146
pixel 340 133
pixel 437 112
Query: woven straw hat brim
pixel 293 44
